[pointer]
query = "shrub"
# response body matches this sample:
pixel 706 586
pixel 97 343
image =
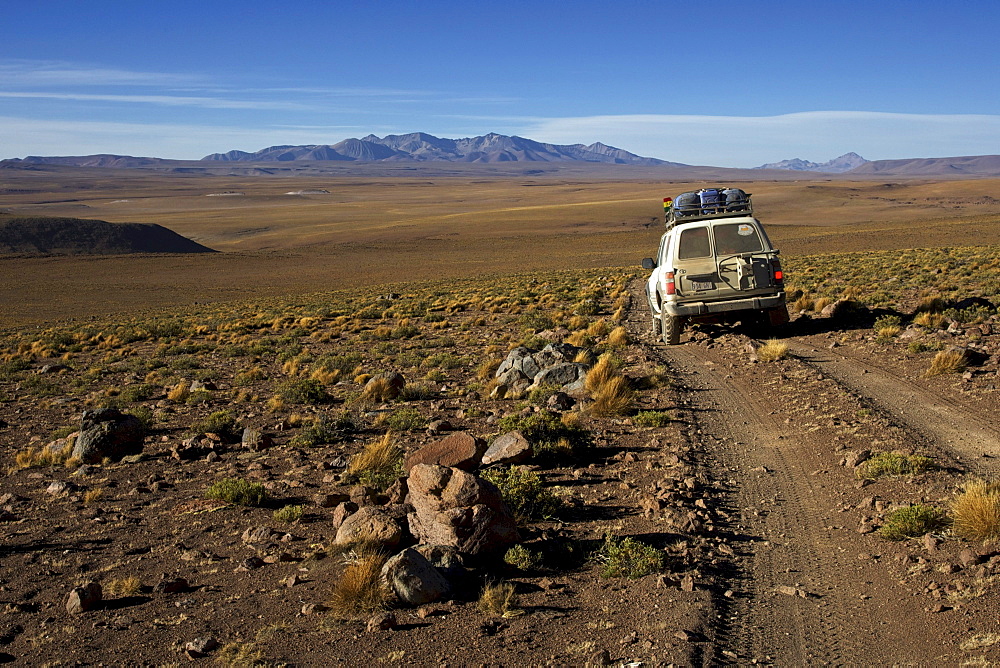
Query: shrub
pixel 652 418
pixel 122 587
pixel 238 491
pixel 289 514
pixel 614 397
pixel 140 392
pixel 522 558
pixel 403 419
pixel 544 430
pixel 360 589
pixel 946 361
pixel 618 338
pixel 417 392
pixel 915 520
pixel 378 465
pixel 326 430
pixel 893 463
pixel 303 391
pixel 929 320
pixel 499 600
pixel 524 493
pixel 220 422
pixel 629 558
pixel 976 511
pixel 605 369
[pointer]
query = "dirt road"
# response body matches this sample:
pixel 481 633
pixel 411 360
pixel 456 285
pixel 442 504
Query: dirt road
pixel 810 584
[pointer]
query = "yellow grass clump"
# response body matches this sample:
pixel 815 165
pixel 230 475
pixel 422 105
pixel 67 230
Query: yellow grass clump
pixel 605 369
pixel 929 319
pixel 499 600
pixel 618 338
pixel 360 589
pixel 946 361
pixel 772 350
pixel 976 511
pixel 377 464
pixel 180 392
pixel 614 397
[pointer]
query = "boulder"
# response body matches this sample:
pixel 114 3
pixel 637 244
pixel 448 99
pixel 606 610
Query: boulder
pixel 445 558
pixel 255 440
pixel 512 359
pixel 561 374
pixel 455 508
pixel 414 579
pixel 82 599
pixel 383 525
pixel 509 448
pixel 108 433
pixel 461 450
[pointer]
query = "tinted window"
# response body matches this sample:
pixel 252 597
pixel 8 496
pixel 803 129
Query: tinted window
pixel 732 238
pixel 694 243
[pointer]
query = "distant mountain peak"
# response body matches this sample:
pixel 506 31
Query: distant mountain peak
pixel 422 147
pixel 844 163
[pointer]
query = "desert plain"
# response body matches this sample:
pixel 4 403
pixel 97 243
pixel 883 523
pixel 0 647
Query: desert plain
pixel 794 498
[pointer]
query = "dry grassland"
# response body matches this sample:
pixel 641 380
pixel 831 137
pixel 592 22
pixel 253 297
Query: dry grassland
pixel 376 229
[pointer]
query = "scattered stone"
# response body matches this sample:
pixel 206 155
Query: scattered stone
pixel 509 448
pixel 108 433
pixel 397 491
pixel 258 534
pixel 330 500
pixel 311 608
pixel 383 621
pixel 931 542
pixel 342 512
pixel 59 488
pixel 436 427
pixel 445 558
pixel 250 564
pixel 414 580
pixel 968 558
pixel 169 585
pixel 687 583
pixel 255 440
pixel 425 611
pixel 82 599
pixel 793 591
pixel 601 658
pixel 200 647
pixel 460 450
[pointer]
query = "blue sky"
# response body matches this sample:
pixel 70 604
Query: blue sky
pixel 723 83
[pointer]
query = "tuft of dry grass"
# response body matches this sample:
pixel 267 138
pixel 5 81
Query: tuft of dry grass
pixel 377 391
pixel 360 589
pixel 614 397
pixel 599 374
pixel 180 392
pixel 499 599
pixel 122 587
pixel 772 350
pixel 929 319
pixel 378 464
pixel 946 361
pixel 976 511
pixel 618 338
pixel 53 454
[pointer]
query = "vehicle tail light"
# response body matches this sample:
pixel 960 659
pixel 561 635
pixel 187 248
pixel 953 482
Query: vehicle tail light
pixel 671 288
pixel 779 276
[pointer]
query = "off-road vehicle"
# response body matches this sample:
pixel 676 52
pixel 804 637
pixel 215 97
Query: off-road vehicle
pixel 715 263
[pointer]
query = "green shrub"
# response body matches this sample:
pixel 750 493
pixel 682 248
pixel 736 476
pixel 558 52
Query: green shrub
pixel 238 491
pixel 893 463
pixel 547 433
pixel 220 422
pixel 915 520
pixel 652 418
pixel 326 430
pixel 629 558
pixel 288 514
pixel 140 392
pixel 522 558
pixel 145 415
pixel 404 419
pixel 417 392
pixel 524 493
pixel 303 391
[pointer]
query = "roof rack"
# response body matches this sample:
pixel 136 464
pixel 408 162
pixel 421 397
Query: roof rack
pixel 707 203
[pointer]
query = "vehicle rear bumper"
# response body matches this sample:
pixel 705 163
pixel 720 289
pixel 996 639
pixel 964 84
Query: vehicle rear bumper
pixel 688 309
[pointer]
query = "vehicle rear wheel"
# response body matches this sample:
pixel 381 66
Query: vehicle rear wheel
pixel 670 329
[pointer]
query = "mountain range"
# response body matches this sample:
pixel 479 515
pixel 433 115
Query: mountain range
pixel 393 152
pixel 421 147
pixel 844 163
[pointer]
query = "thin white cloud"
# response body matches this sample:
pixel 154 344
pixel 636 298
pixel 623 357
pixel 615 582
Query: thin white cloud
pixel 21 137
pixel 55 73
pixel 165 100
pixel 748 141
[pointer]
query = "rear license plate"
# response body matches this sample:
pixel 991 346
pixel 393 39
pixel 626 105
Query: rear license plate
pixel 702 285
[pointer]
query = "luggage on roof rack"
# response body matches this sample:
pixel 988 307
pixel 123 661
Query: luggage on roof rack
pixel 709 203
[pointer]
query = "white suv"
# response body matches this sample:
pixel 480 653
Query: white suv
pixel 715 263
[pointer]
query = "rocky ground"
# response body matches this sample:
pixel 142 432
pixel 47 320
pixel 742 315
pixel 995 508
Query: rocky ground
pixel 745 477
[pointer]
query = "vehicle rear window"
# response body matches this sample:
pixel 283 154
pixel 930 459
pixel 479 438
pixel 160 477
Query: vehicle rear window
pixel 693 243
pixel 732 238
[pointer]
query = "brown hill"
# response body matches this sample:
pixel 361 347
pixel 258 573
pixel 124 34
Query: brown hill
pixel 75 236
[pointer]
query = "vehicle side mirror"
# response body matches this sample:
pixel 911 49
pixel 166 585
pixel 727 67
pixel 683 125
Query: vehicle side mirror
pixel 648 263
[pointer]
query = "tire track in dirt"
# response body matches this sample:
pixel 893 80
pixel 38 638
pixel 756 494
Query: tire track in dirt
pixel 969 435
pixel 804 590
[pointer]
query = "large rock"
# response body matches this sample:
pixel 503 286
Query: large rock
pixel 108 433
pixel 386 526
pixel 562 374
pixel 414 579
pixel 509 448
pixel 82 599
pixel 461 450
pixel 452 507
pixel 445 558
